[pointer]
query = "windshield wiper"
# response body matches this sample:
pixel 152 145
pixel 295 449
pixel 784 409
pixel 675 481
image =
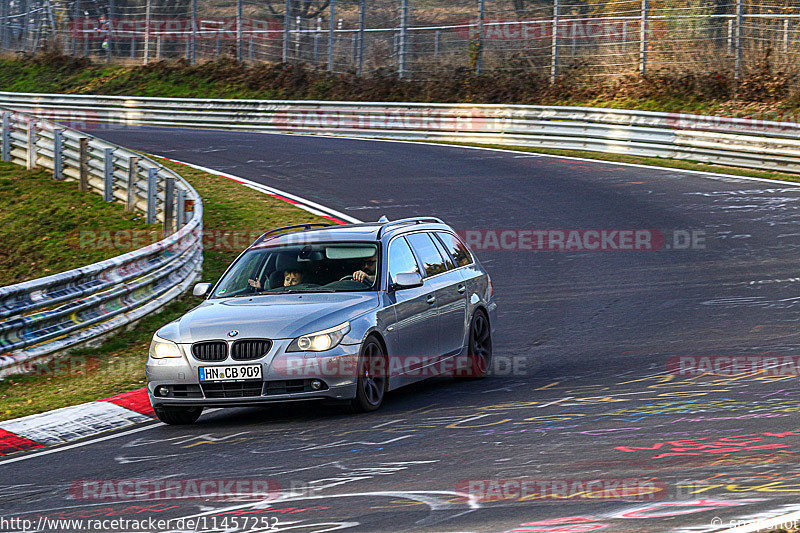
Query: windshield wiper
pixel 297 291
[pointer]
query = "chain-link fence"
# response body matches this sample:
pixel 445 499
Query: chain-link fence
pixel 414 38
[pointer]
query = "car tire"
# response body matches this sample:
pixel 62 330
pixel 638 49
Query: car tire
pixel 373 381
pixel 479 349
pixel 178 416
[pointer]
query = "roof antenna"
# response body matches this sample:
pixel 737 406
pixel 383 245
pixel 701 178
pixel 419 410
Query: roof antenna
pixel 383 219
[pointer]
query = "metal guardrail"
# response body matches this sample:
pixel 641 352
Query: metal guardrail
pixel 47 315
pixel 763 145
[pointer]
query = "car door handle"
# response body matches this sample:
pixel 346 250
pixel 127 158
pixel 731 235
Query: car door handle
pixel 431 299
pixel 462 288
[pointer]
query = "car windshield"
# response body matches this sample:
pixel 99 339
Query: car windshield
pixel 323 267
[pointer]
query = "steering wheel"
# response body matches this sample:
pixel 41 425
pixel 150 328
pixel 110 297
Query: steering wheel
pixel 347 278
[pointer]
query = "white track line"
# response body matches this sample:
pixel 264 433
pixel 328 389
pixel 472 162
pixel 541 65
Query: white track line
pixel 298 201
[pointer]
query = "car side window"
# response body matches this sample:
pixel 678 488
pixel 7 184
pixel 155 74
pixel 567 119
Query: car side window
pixel 457 248
pixel 401 259
pixel 448 261
pixel 427 253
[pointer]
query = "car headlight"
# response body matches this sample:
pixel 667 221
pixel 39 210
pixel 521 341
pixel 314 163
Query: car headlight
pixel 321 340
pixel 163 349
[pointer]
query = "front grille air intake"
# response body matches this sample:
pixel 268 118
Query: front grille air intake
pixel 247 350
pixel 238 389
pixel 210 351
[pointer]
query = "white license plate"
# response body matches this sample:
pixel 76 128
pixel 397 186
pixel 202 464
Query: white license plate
pixel 230 373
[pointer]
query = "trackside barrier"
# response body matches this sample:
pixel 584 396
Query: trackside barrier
pixel 43 316
pixel 766 145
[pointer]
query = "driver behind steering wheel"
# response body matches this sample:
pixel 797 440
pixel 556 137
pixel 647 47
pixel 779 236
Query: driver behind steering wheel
pixel 367 273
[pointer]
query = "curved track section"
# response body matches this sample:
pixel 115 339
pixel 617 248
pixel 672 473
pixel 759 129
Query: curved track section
pixel 594 340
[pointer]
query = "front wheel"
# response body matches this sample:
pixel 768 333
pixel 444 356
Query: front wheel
pixel 373 381
pixel 178 416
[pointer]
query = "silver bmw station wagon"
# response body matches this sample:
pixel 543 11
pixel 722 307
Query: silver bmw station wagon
pixel 342 313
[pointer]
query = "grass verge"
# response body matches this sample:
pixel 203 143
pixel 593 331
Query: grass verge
pixel 232 215
pixel 45 224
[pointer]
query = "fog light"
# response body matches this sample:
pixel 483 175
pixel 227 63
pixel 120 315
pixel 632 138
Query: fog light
pixel 316 384
pixel 163 391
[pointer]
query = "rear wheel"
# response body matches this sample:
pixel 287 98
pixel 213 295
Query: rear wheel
pixel 480 346
pixel 178 416
pixel 372 382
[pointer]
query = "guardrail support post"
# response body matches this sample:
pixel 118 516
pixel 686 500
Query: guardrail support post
pixel 180 214
pixel 152 192
pixel 133 174
pixel 83 162
pixel 554 43
pixel 169 202
pixel 6 148
pixel 58 155
pixel 108 175
pixel 31 162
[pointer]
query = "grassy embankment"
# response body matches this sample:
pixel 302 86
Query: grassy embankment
pixel 758 95
pixel 40 223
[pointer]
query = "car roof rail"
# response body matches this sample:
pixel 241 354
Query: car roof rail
pixel 407 221
pixel 295 227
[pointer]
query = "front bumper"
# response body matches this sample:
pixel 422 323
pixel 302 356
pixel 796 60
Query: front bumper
pixel 285 377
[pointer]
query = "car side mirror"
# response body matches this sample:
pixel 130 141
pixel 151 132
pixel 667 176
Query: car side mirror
pixel 201 290
pixel 406 280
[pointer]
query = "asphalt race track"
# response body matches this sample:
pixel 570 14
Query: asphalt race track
pixel 594 335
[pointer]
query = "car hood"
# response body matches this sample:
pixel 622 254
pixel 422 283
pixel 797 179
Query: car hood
pixel 277 316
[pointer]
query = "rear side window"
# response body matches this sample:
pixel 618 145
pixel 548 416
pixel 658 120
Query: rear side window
pixel 400 258
pixel 457 248
pixel 427 253
pixel 448 261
